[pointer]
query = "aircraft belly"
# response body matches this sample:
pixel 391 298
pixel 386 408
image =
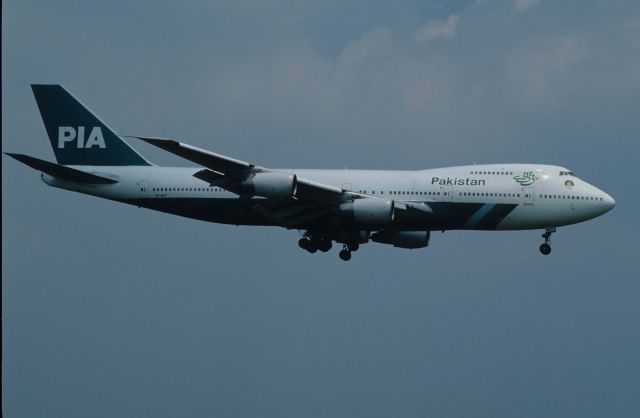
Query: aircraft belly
pixel 449 215
pixel 225 211
pixel 445 215
pixel 542 216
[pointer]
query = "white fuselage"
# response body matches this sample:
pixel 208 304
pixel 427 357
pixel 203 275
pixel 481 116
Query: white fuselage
pixel 498 196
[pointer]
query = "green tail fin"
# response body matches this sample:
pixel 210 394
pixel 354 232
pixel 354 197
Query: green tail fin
pixel 77 136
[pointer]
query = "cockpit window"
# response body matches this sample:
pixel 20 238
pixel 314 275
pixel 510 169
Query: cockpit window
pixel 566 173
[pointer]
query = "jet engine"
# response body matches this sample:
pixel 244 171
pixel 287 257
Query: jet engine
pixel 403 239
pixel 271 185
pixel 369 211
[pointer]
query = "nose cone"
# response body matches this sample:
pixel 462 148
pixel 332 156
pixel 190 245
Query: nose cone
pixel 609 202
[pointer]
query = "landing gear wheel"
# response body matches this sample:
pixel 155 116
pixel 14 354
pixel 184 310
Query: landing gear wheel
pixel 345 255
pixel 325 245
pixel 308 245
pixel 353 246
pixel 545 249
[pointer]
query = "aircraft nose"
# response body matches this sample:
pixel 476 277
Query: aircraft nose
pixel 609 202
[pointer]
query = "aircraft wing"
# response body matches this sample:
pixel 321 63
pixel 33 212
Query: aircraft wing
pixel 290 200
pixel 215 162
pixel 229 173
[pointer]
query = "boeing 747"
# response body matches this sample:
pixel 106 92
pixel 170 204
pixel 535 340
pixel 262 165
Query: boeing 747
pixel 348 207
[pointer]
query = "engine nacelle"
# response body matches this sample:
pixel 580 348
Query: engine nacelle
pixel 271 185
pixel 369 211
pixel 403 239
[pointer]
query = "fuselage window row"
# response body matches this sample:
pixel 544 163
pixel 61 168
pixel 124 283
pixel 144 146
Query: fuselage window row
pixel 397 192
pixel 492 173
pixel 489 194
pixel 570 197
pixel 187 189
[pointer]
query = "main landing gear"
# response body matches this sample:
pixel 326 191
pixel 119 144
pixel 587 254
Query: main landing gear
pixel 546 248
pixel 313 243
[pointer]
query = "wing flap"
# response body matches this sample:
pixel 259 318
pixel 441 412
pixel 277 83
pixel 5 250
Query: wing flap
pixel 291 215
pixel 308 190
pixel 219 180
pixel 415 206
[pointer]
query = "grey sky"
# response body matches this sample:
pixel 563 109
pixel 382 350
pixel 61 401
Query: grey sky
pixel 110 310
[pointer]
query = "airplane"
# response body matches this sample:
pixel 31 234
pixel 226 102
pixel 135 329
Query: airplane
pixel 348 207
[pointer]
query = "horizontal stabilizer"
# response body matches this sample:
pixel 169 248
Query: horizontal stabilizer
pixel 60 171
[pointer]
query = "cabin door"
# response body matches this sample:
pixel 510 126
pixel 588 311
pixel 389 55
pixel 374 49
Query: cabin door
pixel 143 189
pixel 528 196
pixel 446 193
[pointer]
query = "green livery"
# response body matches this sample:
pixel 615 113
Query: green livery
pixel 79 137
pixel 526 179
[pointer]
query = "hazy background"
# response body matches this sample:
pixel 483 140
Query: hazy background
pixel 111 310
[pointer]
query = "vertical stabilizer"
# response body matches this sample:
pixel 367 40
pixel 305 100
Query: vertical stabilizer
pixel 79 137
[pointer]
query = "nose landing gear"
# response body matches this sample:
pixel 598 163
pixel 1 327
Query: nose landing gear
pixel 546 248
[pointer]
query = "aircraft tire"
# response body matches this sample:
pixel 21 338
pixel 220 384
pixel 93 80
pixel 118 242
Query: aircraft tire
pixel 325 245
pixel 545 249
pixel 345 255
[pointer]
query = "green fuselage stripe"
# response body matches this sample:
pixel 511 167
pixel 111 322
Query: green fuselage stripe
pixel 478 215
pixel 493 217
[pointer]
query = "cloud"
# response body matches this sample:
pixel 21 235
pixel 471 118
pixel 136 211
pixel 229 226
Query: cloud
pixel 314 87
pixel 524 5
pixel 631 27
pixel 542 70
pixel 438 29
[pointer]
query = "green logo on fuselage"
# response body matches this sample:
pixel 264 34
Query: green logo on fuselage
pixel 526 179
